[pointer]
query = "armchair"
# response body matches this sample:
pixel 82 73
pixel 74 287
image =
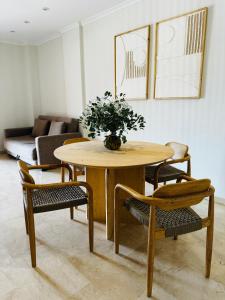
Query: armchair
pixel 39 198
pixel 168 213
pixel 164 171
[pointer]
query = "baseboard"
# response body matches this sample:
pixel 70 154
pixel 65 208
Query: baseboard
pixel 220 200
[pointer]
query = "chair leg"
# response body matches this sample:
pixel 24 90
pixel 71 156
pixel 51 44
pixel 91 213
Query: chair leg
pixel 116 224
pixel 209 236
pixel 74 173
pixel 155 185
pixel 87 213
pixel 151 251
pixel 209 243
pixel 63 174
pixel 90 225
pixel 71 213
pixel 75 176
pixel 25 218
pixel 31 230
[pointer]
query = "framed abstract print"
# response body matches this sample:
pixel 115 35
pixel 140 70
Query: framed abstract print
pixel 132 63
pixel 179 56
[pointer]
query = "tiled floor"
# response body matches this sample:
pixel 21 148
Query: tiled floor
pixel 66 269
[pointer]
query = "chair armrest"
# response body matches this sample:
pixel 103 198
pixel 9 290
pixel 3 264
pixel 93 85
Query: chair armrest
pixel 187 178
pixel 133 193
pixel 52 167
pixel 165 203
pixel 212 190
pixel 169 162
pixel 174 161
pixel 46 145
pixel 12 132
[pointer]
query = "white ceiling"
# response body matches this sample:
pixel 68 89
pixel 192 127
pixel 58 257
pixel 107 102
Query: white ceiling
pixel 45 24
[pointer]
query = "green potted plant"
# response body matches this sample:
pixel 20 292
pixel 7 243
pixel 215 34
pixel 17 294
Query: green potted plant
pixel 113 117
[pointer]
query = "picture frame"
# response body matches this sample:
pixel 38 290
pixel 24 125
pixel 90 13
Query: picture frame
pixel 179 56
pixel 131 63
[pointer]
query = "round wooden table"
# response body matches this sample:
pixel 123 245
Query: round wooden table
pixel 105 168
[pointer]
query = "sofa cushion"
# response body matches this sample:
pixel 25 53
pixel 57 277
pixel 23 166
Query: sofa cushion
pixel 56 128
pixel 40 128
pixel 22 147
pixel 71 124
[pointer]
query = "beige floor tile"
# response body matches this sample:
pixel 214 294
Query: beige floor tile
pixel 66 269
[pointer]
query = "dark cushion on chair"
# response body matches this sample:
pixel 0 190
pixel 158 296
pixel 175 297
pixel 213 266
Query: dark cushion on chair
pixel 174 222
pixel 57 198
pixel 166 173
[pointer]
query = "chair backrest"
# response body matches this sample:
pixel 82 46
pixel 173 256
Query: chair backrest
pixel 75 140
pixel 180 150
pixel 24 173
pixel 182 194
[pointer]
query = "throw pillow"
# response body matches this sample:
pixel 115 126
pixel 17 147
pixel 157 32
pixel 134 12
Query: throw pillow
pixel 40 127
pixel 56 128
pixel 73 126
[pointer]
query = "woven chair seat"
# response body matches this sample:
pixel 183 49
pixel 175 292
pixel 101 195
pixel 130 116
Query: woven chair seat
pixel 175 222
pixel 58 198
pixel 166 173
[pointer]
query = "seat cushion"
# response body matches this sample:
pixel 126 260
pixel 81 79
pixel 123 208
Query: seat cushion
pixel 58 198
pixel 166 173
pixel 175 222
pixel 22 147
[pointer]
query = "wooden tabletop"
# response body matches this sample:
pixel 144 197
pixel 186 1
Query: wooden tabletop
pixel 94 154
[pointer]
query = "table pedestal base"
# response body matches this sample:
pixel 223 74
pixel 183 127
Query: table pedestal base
pixel 103 182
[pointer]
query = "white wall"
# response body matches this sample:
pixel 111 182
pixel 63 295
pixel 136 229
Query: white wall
pixel 52 79
pixel 73 71
pixel 198 123
pixel 16 108
pixel 60 75
pixel 33 83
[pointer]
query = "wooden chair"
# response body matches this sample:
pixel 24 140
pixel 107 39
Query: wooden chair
pixel 168 213
pixel 76 170
pixel 38 198
pixel 164 172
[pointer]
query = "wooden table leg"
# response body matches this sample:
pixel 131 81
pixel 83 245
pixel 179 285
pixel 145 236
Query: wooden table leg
pixel 96 178
pixel 103 183
pixel 132 177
